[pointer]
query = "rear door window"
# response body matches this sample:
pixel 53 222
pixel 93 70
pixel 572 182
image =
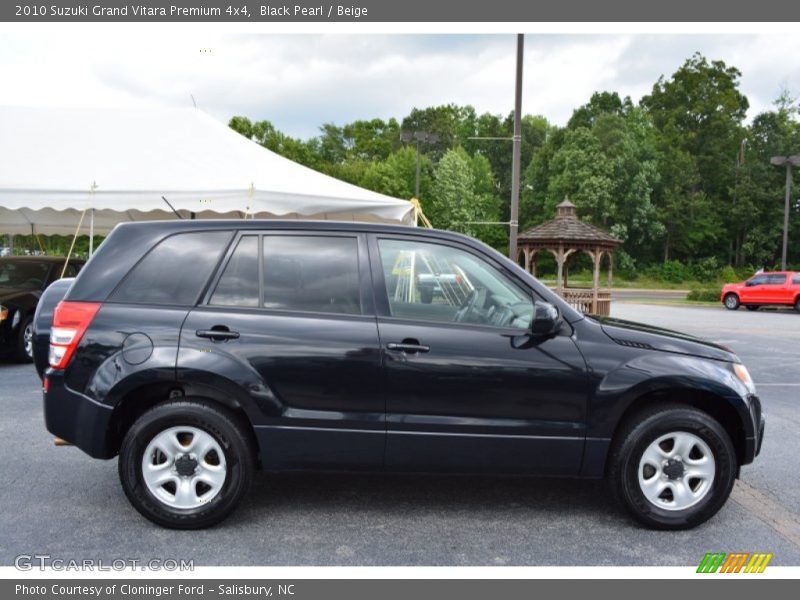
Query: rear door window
pixel 311 274
pixel 238 285
pixel 777 279
pixel 175 271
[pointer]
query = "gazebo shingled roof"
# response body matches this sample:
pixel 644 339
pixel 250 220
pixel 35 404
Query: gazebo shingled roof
pixel 564 236
pixel 567 227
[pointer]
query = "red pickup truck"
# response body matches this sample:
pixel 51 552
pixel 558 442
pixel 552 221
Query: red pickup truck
pixel 779 287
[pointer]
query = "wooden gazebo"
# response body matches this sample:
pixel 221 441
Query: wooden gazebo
pixel 564 236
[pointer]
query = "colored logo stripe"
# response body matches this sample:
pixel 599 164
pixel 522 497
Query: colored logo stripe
pixel 758 563
pixel 711 562
pixel 734 562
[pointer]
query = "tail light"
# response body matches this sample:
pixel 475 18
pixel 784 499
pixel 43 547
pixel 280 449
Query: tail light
pixel 70 321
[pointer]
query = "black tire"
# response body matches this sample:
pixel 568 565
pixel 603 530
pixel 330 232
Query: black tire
pixel 731 301
pixel 641 431
pixel 24 349
pixel 223 426
pixel 752 307
pixel 797 304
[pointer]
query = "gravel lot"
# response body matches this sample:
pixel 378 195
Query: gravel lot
pixel 60 502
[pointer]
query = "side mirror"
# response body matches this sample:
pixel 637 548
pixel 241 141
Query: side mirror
pixel 546 321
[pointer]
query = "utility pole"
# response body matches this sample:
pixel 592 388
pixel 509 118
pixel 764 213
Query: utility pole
pixel 516 154
pixel 788 162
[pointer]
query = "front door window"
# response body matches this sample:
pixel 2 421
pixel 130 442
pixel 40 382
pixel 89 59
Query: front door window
pixel 434 282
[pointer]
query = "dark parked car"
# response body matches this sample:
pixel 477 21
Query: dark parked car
pixel 199 351
pixel 22 280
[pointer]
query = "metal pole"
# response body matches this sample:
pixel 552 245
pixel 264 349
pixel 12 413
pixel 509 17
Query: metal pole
pixel 515 159
pixel 786 213
pixel 416 183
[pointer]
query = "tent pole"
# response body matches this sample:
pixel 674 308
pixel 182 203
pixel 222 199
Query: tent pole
pixel 92 189
pixel 250 193
pixel 72 246
pixel 91 233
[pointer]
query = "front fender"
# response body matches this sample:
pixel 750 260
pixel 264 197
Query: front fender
pixel 623 384
pixel 656 371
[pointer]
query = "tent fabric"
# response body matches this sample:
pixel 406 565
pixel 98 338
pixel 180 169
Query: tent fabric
pixel 56 163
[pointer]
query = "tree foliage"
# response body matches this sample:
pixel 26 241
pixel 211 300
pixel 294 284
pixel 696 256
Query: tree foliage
pixel 680 176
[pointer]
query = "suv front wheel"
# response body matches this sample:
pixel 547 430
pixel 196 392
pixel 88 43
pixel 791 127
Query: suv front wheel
pixel 186 464
pixel 731 302
pixel 672 467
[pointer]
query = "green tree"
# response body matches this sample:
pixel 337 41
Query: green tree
pixel 601 103
pixel 444 121
pixel 699 113
pixel 365 141
pixel 678 177
pixel 455 203
pixel 493 232
pixel 396 176
pixel 757 212
pixel 265 134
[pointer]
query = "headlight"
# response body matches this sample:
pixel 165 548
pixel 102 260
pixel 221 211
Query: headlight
pixel 744 376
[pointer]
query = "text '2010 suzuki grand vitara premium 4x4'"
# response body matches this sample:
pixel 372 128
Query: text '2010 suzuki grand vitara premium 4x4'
pixel 199 351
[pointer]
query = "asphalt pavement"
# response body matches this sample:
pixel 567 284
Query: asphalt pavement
pixel 57 501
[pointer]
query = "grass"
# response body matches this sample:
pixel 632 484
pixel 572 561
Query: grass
pixel 641 283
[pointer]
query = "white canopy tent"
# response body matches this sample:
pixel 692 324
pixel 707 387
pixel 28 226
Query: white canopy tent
pixel 106 166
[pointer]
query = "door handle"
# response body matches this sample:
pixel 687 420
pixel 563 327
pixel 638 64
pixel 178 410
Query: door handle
pixel 218 332
pixel 408 346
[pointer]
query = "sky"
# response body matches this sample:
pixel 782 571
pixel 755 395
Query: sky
pixel 301 81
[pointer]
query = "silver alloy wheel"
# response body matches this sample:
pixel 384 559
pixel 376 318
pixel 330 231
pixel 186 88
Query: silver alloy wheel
pixel 27 340
pixel 184 467
pixel 676 471
pixel 731 301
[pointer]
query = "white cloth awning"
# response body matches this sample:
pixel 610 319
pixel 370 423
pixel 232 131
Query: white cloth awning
pixel 55 163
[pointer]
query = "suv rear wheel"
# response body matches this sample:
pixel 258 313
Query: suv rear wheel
pixel 672 467
pixel 186 464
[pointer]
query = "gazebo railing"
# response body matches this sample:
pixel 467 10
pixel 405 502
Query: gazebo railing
pixel 583 300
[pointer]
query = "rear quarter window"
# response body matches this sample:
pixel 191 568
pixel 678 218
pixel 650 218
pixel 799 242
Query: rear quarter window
pixel 796 280
pixel 175 271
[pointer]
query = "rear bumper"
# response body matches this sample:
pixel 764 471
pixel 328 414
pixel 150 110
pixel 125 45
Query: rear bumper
pixel 76 418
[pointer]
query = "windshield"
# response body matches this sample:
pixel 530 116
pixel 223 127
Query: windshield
pixel 23 274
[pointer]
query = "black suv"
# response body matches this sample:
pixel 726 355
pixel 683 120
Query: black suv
pixel 199 351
